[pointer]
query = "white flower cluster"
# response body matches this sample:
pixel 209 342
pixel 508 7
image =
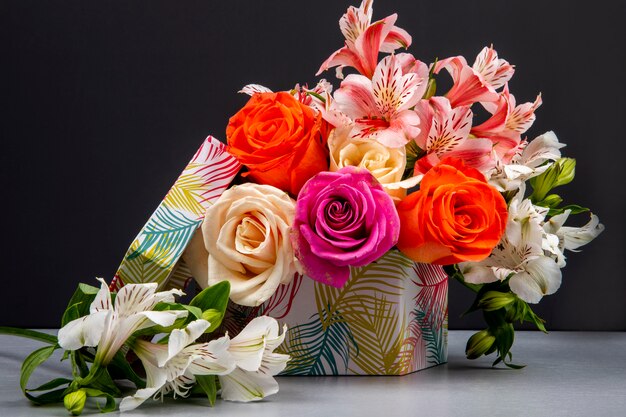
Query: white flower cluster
pixel 245 364
pixel 531 251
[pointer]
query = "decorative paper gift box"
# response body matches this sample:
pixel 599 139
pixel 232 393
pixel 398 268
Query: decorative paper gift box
pixel 389 319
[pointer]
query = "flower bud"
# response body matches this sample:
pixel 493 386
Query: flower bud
pixel 495 300
pixel 75 402
pixel 552 201
pixel 567 168
pixel 479 344
pixel 560 172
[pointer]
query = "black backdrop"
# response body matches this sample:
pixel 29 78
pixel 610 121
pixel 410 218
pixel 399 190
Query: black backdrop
pixel 105 102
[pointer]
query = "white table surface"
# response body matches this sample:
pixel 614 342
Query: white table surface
pixel 567 374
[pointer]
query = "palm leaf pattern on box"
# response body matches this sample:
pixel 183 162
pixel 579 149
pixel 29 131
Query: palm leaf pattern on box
pixel 434 339
pixel 432 297
pixel 155 252
pixel 412 356
pixel 377 324
pixel 318 350
pixel 162 241
pixel 379 337
pixel 428 318
pixel 370 304
pixel 187 191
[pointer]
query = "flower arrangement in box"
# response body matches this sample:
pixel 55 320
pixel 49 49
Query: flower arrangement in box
pixel 341 213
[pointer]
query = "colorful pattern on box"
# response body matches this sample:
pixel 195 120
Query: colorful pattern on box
pixel 154 254
pixel 389 319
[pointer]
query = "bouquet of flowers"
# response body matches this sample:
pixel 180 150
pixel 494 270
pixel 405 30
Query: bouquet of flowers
pixel 321 186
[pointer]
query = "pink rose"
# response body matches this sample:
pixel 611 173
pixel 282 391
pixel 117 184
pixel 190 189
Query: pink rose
pixel 343 219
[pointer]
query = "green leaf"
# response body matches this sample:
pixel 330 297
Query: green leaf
pixel 120 363
pixel 78 305
pixel 105 383
pixel 514 366
pixel 214 317
pixel 71 313
pixel 195 311
pixel 574 208
pixel 32 361
pixel 50 385
pixel 533 318
pixel 207 384
pixel 214 298
pixel 178 324
pixel 162 306
pixel 29 365
pixel 50 397
pixel 110 400
pixel 29 334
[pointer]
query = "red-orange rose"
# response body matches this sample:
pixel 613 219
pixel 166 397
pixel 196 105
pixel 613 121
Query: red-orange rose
pixel 455 216
pixel 279 140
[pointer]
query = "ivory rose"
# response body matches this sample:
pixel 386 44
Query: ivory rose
pixel 246 240
pixel 343 219
pixel 385 164
pixel 279 140
pixel 455 216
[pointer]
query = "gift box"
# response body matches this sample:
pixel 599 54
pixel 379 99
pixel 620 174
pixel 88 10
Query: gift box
pixel 389 319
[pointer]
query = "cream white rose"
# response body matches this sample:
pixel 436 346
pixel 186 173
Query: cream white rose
pixel 246 242
pixel 386 164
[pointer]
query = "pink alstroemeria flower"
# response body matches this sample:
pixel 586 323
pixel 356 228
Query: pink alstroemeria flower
pixel 507 124
pixel 479 82
pixel 364 40
pixel 445 132
pixel 380 107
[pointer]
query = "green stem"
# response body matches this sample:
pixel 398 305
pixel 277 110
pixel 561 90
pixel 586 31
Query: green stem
pixel 94 374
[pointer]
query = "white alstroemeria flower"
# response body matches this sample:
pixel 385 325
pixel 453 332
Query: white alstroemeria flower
pixel 519 255
pixel 173 366
pixel 109 326
pixel 557 237
pixel 253 351
pixel 528 163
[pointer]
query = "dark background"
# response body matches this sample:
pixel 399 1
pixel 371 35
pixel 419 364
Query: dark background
pixel 106 101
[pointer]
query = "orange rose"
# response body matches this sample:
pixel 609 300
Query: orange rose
pixel 454 217
pixel 279 140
